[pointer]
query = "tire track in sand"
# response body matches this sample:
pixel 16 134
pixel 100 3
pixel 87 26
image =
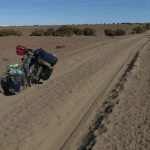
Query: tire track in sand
pixel 107 107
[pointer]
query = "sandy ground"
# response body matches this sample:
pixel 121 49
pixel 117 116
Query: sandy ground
pixel 128 126
pixel 44 116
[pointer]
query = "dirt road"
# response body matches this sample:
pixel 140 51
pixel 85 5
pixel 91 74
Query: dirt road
pixel 44 116
pixel 128 126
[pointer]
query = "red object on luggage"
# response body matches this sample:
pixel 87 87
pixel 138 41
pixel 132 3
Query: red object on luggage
pixel 20 50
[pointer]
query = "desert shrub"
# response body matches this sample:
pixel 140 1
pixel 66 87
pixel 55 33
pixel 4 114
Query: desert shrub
pixel 120 32
pixel 49 32
pixel 9 32
pixel 64 31
pixel 109 32
pixel 138 29
pixel 89 32
pixel 37 32
pixel 78 31
pixel 117 32
pixel 147 26
pixel 58 32
pixel 67 30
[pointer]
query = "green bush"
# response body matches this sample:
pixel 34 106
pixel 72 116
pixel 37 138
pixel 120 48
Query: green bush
pixel 49 32
pixel 37 32
pixel 10 32
pixel 89 32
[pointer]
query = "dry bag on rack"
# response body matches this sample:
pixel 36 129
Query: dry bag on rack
pixel 46 56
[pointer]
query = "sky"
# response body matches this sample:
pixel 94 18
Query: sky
pixel 58 12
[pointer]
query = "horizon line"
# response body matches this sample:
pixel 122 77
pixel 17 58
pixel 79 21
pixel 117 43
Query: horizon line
pixel 77 24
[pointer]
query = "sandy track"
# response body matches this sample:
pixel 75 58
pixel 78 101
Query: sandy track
pixel 128 126
pixel 43 116
pixel 100 108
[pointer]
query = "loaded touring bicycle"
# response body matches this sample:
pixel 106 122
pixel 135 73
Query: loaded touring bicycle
pixel 36 65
